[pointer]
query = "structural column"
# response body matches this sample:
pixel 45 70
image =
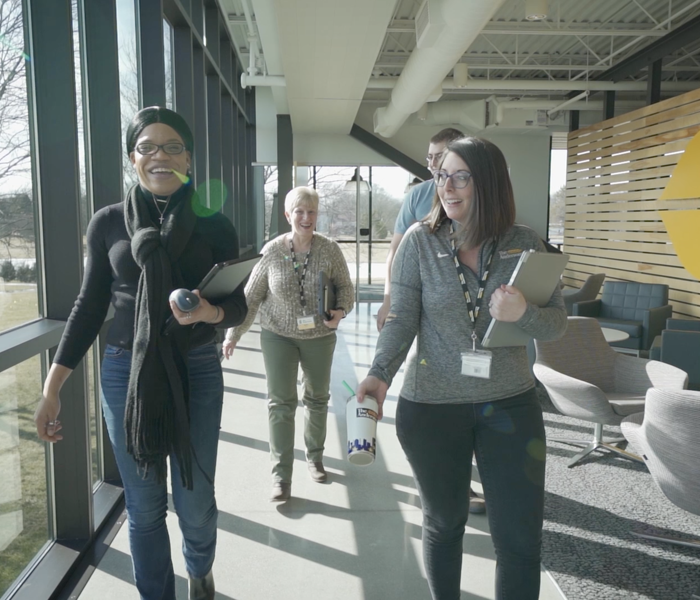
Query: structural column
pixel 285 166
pixel 573 120
pixel 654 82
pixel 149 31
pixel 608 104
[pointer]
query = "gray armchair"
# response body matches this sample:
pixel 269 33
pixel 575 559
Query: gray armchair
pixel 588 291
pixel 586 379
pixel 679 345
pixel 638 309
pixel 667 436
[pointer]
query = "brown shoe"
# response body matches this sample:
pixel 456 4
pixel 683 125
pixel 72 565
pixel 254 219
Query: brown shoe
pixel 477 505
pixel 281 491
pixel 317 472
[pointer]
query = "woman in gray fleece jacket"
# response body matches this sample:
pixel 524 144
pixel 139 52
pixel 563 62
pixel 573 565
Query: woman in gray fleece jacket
pixel 449 278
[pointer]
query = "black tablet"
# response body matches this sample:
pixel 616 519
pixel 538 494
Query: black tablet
pixel 326 296
pixel 225 277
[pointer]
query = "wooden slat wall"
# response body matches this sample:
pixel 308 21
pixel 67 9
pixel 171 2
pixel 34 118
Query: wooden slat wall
pixel 616 171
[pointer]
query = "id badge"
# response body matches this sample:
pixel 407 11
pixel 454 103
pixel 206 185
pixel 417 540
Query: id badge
pixel 305 323
pixel 477 363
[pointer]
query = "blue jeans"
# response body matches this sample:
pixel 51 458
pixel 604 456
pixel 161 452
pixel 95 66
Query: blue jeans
pixel 508 439
pixel 147 500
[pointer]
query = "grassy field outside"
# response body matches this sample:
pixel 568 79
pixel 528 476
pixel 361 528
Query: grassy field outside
pixel 20 390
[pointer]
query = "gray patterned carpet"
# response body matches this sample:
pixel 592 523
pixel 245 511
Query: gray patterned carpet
pixel 590 510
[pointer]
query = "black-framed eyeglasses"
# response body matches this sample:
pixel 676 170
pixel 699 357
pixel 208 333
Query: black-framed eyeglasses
pixel 169 148
pixel 435 157
pixel 460 179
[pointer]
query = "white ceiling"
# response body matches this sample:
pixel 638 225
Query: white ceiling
pixel 336 54
pixel 328 50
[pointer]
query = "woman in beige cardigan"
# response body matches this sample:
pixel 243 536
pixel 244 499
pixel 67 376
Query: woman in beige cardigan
pixel 283 288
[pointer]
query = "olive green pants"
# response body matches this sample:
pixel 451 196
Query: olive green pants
pixel 282 356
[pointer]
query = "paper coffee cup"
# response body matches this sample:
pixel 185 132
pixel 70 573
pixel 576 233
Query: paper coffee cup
pixel 361 419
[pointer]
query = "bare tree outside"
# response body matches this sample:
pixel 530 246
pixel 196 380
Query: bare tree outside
pixel 16 197
pixel 128 79
pixel 557 215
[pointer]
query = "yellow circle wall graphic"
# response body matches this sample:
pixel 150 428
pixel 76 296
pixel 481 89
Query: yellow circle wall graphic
pixel 683 226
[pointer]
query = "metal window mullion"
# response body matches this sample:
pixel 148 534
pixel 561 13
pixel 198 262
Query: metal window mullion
pixel 235 191
pixel 212 35
pixel 200 116
pixel 227 154
pixel 226 61
pixel 58 190
pixel 213 137
pixel 252 213
pixel 150 50
pixel 184 88
pixel 239 149
pixel 101 76
pixel 197 16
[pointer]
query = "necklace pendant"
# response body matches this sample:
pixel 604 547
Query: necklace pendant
pixel 161 219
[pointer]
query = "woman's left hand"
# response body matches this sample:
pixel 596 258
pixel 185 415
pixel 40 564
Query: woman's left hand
pixel 507 304
pixel 333 323
pixel 205 312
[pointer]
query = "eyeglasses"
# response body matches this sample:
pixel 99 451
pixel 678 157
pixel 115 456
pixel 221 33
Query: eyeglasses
pixel 460 179
pixel 435 157
pixel 169 148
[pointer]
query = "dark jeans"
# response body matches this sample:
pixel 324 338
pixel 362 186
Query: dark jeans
pixel 147 500
pixel 508 439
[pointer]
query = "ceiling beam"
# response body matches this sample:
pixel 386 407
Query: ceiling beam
pixel 657 50
pixel 408 26
pixel 388 151
pixel 526 28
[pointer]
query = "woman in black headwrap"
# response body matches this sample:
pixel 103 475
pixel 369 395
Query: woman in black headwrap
pixel 161 393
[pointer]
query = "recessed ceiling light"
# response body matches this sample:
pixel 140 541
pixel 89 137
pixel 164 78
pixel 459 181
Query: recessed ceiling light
pixel 535 10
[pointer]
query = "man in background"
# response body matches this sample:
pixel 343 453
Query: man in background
pixel 415 207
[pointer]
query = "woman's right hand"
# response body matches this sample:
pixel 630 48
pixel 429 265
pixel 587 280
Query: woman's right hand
pixel 228 348
pixel 46 418
pixel 375 387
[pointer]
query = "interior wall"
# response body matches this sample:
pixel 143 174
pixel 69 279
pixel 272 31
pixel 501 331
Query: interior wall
pixel 615 221
pixel 309 149
pixel 527 154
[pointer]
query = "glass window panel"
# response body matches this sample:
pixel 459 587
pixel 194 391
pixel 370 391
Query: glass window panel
pixel 337 209
pixel 168 56
pixel 19 297
pixel 128 76
pixel 557 197
pixel 94 414
pixel 270 186
pixel 85 209
pixel 389 187
pixel 24 517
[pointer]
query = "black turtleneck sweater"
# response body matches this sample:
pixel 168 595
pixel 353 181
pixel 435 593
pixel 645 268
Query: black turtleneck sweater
pixel 112 276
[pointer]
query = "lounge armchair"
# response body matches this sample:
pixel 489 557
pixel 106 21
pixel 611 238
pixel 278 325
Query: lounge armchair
pixel 638 309
pixel 588 291
pixel 586 379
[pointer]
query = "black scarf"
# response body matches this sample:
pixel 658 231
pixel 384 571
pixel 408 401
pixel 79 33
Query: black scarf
pixel 157 402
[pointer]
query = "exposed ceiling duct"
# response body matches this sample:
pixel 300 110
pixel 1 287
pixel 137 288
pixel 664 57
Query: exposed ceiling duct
pixel 476 115
pixel 470 114
pixel 452 26
pixel 542 85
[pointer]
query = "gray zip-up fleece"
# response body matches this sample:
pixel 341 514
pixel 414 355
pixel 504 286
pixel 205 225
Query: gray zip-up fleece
pixel 428 301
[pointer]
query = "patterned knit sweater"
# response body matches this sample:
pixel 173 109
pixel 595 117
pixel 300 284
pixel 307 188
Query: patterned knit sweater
pixel 273 288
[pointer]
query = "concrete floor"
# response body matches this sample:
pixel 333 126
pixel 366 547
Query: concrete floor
pixel 356 537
